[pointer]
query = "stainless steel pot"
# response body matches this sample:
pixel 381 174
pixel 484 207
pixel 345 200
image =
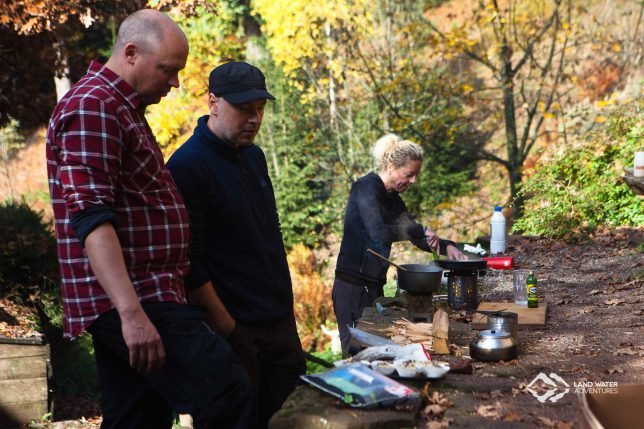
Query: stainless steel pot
pixel 492 345
pixel 504 321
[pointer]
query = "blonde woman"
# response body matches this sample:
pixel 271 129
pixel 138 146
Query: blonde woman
pixel 376 217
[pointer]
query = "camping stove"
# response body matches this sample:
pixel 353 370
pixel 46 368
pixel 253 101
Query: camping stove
pixel 419 307
pixel 462 291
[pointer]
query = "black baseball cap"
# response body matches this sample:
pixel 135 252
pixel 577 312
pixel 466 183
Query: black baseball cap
pixel 238 82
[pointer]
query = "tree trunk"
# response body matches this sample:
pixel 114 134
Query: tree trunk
pixel 514 162
pixel 516 176
pixel 61 78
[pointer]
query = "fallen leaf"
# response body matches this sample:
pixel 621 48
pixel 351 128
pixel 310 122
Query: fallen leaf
pixel 438 424
pixel 594 292
pixel 496 394
pixel 626 351
pixel 614 302
pixel 488 411
pixel 546 421
pixel 512 417
pixel 434 410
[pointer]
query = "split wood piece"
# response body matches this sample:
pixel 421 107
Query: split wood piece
pixel 440 329
pixel 405 332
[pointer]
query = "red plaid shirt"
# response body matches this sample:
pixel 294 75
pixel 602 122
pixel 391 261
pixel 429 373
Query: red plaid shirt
pixel 101 151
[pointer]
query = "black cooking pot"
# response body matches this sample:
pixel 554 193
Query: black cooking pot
pixel 419 278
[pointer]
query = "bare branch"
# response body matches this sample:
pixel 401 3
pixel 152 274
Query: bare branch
pixel 538 37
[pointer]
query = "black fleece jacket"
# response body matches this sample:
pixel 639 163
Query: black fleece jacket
pixel 236 239
pixel 374 219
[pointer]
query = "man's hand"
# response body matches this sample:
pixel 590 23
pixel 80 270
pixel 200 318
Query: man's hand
pixel 143 341
pixel 454 253
pixel 217 316
pixel 141 337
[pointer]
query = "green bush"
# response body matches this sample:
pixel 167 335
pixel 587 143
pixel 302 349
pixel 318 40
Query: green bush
pixel 28 262
pixel 29 275
pixel 581 189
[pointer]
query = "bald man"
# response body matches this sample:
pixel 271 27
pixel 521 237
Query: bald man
pixel 122 232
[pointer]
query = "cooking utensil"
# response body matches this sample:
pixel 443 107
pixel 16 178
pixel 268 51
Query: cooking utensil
pixel 492 345
pixel 504 321
pixel 455 265
pixel 385 259
pixel 419 278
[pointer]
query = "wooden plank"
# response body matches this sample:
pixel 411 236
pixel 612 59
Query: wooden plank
pixel 528 317
pixel 12 415
pixel 24 390
pixel 23 367
pixel 17 350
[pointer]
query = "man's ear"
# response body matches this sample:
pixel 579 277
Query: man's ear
pixel 130 52
pixel 213 104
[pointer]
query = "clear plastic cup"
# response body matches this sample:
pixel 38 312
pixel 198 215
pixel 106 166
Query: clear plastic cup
pixel 519 278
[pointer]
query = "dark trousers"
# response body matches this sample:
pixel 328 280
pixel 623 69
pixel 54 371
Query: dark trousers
pixel 202 376
pixel 349 300
pixel 273 356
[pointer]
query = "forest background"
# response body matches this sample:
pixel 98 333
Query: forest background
pixel 535 105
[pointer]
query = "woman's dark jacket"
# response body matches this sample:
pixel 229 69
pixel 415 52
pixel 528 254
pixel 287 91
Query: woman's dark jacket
pixel 236 239
pixel 374 219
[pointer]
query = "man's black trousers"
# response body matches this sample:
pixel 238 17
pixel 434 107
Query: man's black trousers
pixel 202 376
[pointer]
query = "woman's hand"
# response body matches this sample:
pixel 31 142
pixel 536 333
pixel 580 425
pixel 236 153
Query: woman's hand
pixel 454 253
pixel 432 239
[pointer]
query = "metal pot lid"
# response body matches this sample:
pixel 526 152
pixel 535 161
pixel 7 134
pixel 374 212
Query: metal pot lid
pixel 494 333
pixel 470 264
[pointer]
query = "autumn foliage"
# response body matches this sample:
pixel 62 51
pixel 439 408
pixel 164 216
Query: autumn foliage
pixel 311 296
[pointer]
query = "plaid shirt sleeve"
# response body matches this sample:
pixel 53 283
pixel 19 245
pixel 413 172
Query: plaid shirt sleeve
pixel 90 152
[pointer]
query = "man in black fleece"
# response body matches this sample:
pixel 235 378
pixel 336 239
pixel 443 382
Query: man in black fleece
pixel 238 262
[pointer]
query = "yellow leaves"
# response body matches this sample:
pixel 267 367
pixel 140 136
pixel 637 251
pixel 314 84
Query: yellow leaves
pixel 600 119
pixel 549 115
pixel 467 89
pixel 300 31
pixel 617 47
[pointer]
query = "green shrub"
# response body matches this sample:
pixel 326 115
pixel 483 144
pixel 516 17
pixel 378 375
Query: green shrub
pixel 29 275
pixel 28 261
pixel 581 189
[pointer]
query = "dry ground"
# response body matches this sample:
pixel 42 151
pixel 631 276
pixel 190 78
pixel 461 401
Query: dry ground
pixel 594 332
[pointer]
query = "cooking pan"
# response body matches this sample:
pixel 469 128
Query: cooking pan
pixel 419 278
pixel 468 264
